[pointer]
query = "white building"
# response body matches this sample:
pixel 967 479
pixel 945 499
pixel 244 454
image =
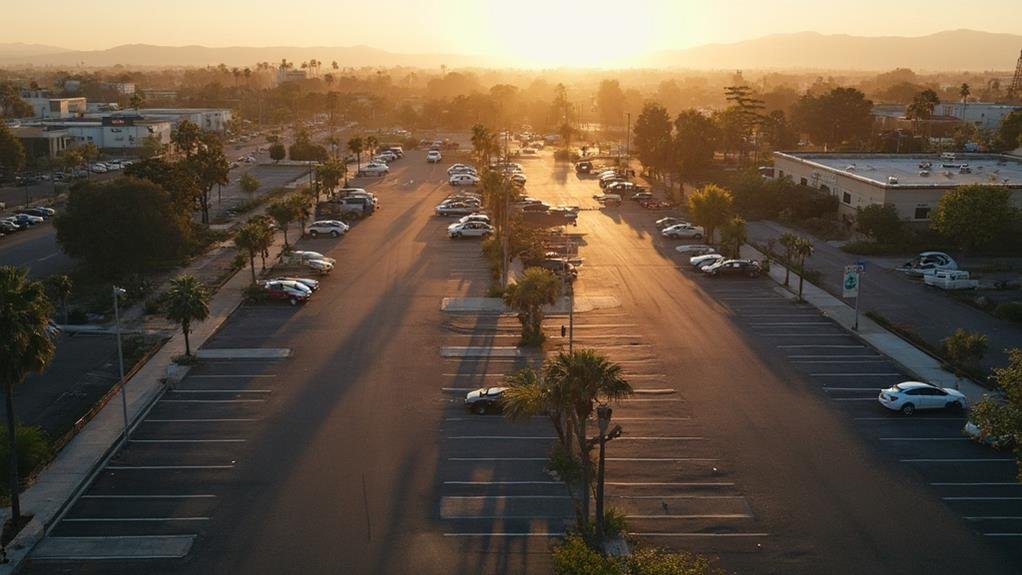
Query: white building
pixel 913 183
pixel 981 114
pixel 209 119
pixel 114 133
pixel 46 106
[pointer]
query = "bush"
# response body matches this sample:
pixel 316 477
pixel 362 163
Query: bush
pixel 1011 311
pixel 33 449
pixel 564 463
pixel 574 557
pixel 614 523
pixel 185 359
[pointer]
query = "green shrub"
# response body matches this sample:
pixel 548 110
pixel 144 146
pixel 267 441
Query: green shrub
pixel 575 557
pixel 564 463
pixel 1011 311
pixel 646 560
pixel 185 359
pixel 614 523
pixel 33 450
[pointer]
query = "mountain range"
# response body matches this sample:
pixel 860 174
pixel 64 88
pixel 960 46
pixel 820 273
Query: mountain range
pixel 943 51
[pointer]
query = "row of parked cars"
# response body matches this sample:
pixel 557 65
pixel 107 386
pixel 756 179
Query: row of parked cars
pixel 25 219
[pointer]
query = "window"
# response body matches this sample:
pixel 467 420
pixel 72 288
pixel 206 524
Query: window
pixel 804 182
pixel 825 189
pixel 846 198
pixel 922 212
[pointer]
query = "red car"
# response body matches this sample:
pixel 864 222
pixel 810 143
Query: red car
pixel 291 291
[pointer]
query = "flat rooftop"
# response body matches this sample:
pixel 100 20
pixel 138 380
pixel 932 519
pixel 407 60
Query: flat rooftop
pixel 911 170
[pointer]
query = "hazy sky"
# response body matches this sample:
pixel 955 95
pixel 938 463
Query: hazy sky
pixel 521 32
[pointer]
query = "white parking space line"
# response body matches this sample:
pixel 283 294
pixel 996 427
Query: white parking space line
pixel 982 498
pixel 971 484
pixel 703 516
pixel 187 440
pixel 216 420
pixel 180 390
pixel 976 460
pixel 148 496
pixel 504 483
pixel 649 534
pixel 810 346
pixel 659 459
pixel 925 439
pixel 212 400
pixel 505 534
pixel 228 376
pixel 498 459
pixel 877 374
pixel 130 519
pixel 168 467
pixel 669 484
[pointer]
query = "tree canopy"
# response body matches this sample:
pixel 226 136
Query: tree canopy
pixel 975 216
pixel 839 116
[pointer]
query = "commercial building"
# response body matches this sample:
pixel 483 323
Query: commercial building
pixel 912 183
pixel 41 142
pixel 44 105
pixel 983 115
pixel 114 133
pixel 209 119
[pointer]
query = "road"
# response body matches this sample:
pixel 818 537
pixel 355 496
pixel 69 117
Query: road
pixel 353 455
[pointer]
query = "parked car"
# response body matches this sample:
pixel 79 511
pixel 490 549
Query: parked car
pixel 455 209
pixel 433 156
pixel 374 169
pixel 39 212
pixel 29 219
pixel 518 179
pixel 705 260
pixel 734 268
pixel 678 231
pixel 584 167
pixel 910 396
pixel 695 249
pixel 668 222
pixel 312 260
pixel 8 226
pixel 639 196
pixel 482 218
pixel 608 199
pixel 469 230
pixel 928 263
pixel 291 291
pixel 950 280
pixel 463 180
pixel 98 168
pixel 605 182
pixel 332 228
pixel 456 167
pixel 484 400
pixel 624 188
pixel 540 207
pixel 310 283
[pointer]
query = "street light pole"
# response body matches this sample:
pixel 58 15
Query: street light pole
pixel 571 302
pixel 118 293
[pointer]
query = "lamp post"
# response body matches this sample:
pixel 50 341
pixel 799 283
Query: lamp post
pixel 571 302
pixel 119 293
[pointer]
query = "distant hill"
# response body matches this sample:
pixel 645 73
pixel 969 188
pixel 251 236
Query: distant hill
pixel 150 55
pixel 22 50
pixel 951 50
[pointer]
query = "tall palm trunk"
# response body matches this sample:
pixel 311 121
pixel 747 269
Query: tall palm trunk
pixel 583 452
pixel 185 325
pixel 251 265
pixel 12 456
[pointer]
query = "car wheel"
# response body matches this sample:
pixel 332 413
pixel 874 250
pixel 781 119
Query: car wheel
pixel 753 274
pixel 908 409
pixel 456 235
pixel 293 301
pixel 698 236
pixel 314 234
pixel 955 406
pixel 673 236
pixel 335 234
pixel 479 409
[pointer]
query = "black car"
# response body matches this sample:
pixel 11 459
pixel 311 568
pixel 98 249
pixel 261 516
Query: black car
pixel 740 268
pixel 485 400
pixel 585 167
pixel 540 207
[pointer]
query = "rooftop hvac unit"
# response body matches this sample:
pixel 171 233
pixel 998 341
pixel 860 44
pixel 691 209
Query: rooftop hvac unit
pixel 892 180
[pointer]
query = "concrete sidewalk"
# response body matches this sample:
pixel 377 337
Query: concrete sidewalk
pixel 918 363
pixel 69 473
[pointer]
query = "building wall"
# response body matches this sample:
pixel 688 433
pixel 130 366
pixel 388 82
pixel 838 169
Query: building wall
pixel 982 114
pixel 118 137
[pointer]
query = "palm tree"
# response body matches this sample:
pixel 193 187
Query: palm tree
pixel 482 144
pixel 25 347
pixel 732 235
pixel 249 239
pixel 372 143
pixel 61 285
pixel 710 207
pixel 788 240
pixel 584 378
pixel 536 288
pixel 964 91
pixel 357 145
pixel 283 212
pixel 187 301
pixel 803 249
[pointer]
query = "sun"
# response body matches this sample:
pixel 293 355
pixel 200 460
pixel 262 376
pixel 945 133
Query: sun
pixel 554 33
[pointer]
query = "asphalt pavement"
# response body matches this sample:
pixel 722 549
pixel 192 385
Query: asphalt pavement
pixel 355 455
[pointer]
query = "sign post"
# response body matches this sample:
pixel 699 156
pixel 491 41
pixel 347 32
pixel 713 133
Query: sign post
pixel 850 287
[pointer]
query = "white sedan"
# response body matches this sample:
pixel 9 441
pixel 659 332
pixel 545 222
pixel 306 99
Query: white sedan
pixel 704 260
pixel 695 249
pixel 909 396
pixel 463 180
pixel 332 228
pixel 460 167
pixel 433 157
pixel 678 231
pixel 475 218
pixel 374 169
pixel 469 230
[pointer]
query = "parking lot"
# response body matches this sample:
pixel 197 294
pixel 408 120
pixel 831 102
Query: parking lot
pixel 976 482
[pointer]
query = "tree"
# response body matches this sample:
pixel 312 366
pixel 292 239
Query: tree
pixel 841 115
pixel 137 100
pixel 12 153
pixel 922 105
pixel 1009 135
pixel 803 249
pixel 331 173
pixel 249 240
pixel 1000 420
pixel 963 92
pixel 536 288
pixel 710 207
pixel 11 104
pixel 653 144
pixel 732 235
pixel 61 285
pixel 788 241
pixel 880 222
pixel 567 133
pixel 484 145
pixel 277 151
pixel 123 225
pixel 209 164
pixel 151 147
pixel 964 350
pixel 975 216
pixel 696 138
pixel 187 301
pixel 25 347
pixel 300 204
pixel 610 103
pixel 372 143
pixel 356 146
pixel 283 212
pixel 249 183
pixel 176 178
pixel 187 137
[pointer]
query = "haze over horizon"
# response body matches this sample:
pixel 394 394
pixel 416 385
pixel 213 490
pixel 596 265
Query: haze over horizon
pixel 528 33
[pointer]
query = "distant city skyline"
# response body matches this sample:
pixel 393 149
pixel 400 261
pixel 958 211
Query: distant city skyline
pixel 527 32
